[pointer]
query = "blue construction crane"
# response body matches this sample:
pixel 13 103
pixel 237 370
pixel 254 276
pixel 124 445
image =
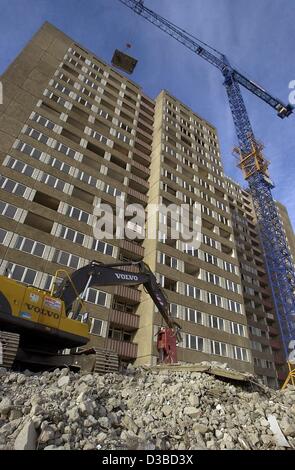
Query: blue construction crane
pixel 280 267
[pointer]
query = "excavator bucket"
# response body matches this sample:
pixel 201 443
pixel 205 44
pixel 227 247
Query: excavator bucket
pixel 124 62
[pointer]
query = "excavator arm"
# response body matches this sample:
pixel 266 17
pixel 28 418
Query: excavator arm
pixel 96 274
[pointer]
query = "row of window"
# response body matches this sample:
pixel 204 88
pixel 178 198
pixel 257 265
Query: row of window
pixel 200 294
pixel 211 259
pixel 216 348
pixel 211 321
pixel 183 160
pixel 263 363
pixel 50 180
pixel 41 250
pixel 179 265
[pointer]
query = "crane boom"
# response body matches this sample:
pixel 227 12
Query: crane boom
pixel 279 263
pixel 208 53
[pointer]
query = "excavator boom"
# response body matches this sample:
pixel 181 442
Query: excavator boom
pixel 95 274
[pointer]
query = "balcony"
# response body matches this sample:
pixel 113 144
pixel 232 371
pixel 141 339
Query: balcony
pixel 141 170
pixel 125 292
pixel 132 248
pixel 142 184
pixel 122 348
pixel 135 196
pixel 124 319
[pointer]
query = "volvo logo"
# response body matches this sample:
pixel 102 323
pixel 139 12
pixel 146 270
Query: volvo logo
pixel 126 277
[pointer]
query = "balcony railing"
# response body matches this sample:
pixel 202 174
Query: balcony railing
pixel 122 348
pixel 124 319
pixel 132 247
pixel 127 293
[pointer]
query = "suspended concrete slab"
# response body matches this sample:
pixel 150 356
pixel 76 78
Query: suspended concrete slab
pixel 124 61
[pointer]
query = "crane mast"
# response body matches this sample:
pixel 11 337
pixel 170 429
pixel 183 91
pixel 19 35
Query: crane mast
pixel 279 263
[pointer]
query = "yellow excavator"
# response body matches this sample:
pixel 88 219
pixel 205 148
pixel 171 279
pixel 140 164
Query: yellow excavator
pixel 37 326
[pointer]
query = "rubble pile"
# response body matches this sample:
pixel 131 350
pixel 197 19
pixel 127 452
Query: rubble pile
pixel 143 409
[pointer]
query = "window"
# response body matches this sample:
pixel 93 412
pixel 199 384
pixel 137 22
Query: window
pixel 104 114
pixel 174 310
pixel 211 259
pixel 241 354
pixel 214 299
pixel 122 137
pixel 29 246
pixel 257 346
pixel 193 316
pixel 230 267
pixel 20 166
pixel 95 296
pixel 213 279
pixel 125 127
pixel 65 150
pixel 91 83
pixel 237 329
pixel 53 182
pixel 28 150
pixel 112 191
pixel 209 241
pixel 230 285
pixel 52 96
pixel 12 186
pixel 36 135
pixel 62 89
pixel 66 259
pixel 62 166
pixel 48 281
pixel 168 261
pixel 102 247
pixel 216 322
pixel 43 121
pixel 190 250
pixel 192 291
pixel 82 176
pixel 234 306
pixel 96 326
pixel 101 138
pixel 194 342
pixel 3 234
pixel 70 234
pixel 8 210
pixel 78 214
pixel 255 331
pixel 22 274
pixel 217 348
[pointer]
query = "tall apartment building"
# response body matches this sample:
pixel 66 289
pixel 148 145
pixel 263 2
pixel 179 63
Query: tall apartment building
pixel 75 133
pixel 267 348
pixel 203 285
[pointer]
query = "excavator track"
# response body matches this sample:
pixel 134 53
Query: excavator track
pixel 106 361
pixel 9 343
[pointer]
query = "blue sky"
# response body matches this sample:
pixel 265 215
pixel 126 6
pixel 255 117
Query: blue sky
pixel 258 37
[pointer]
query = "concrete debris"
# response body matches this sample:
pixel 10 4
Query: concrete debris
pixel 178 408
pixel 26 438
